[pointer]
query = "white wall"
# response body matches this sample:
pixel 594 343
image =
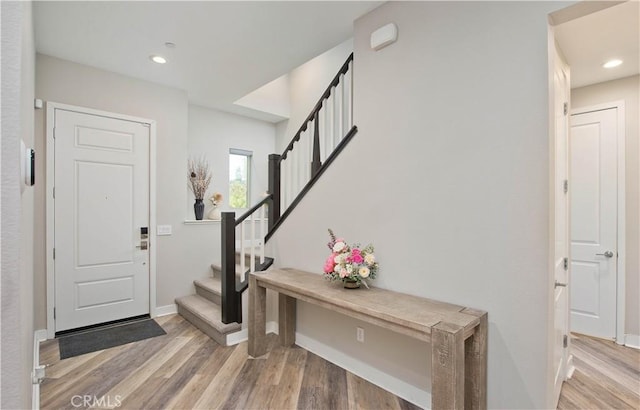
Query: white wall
pixel 181 130
pixel 70 83
pixel 448 176
pixel 628 90
pixel 212 133
pixel 17 327
pixel 306 85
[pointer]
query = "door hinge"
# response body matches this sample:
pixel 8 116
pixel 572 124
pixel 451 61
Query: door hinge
pixel 565 186
pixel 565 263
pixel 54 132
pixel 565 341
pixel 54 253
pixel 54 313
pixel 54 192
pixel 565 108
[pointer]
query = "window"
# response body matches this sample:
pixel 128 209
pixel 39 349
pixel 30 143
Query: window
pixel 239 177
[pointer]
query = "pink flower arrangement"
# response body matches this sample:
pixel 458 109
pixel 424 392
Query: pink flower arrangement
pixel 350 262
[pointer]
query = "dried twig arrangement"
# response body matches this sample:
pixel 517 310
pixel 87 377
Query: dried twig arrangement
pixel 199 176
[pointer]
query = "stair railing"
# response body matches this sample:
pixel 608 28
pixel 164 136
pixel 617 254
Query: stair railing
pixel 232 287
pixel 320 133
pixel 322 136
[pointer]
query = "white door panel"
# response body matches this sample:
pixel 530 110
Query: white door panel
pixel 102 201
pixel 594 222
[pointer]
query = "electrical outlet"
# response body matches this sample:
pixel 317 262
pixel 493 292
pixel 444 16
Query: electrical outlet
pixel 360 334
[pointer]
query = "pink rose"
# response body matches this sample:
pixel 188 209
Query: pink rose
pixel 330 263
pixel 356 256
pixel 343 273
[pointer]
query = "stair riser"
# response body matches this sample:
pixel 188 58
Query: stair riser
pixel 209 295
pixel 203 326
pixel 217 273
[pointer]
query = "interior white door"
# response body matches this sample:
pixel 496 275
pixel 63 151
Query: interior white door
pixel 594 223
pixel 561 223
pixel 101 204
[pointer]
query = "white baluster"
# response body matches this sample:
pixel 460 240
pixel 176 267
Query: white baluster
pixel 287 184
pixel 263 233
pixel 349 84
pixel 329 120
pixel 309 149
pixel 322 114
pixel 242 251
pixel 284 177
pixel 345 107
pixel 252 263
pixel 338 114
pixel 295 168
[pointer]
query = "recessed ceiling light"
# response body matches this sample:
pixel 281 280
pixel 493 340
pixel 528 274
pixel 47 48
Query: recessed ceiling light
pixel 158 59
pixel 612 63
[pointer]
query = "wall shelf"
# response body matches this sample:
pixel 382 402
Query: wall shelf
pixel 202 222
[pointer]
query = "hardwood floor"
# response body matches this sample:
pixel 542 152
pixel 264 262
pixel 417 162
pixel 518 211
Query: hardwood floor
pixel 185 369
pixel 607 376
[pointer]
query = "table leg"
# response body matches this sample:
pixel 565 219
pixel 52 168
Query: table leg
pixel 476 363
pixel 447 366
pixel 257 318
pixel 286 320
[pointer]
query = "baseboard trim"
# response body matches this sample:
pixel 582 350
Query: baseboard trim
pixel 570 367
pixel 243 335
pixel 37 373
pixel 632 341
pixel 166 310
pixel 396 386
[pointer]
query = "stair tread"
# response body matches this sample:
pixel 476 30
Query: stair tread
pixel 211 284
pixel 208 312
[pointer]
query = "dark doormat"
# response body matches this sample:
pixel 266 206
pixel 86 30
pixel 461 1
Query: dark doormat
pixel 104 338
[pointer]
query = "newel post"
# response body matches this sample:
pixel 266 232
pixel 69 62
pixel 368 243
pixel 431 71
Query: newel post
pixel 228 277
pixel 274 189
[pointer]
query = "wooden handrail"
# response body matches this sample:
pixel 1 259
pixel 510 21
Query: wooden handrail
pixel 318 106
pixel 343 143
pixel 254 208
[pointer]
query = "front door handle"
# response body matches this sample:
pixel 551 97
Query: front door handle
pixel 143 245
pixel 607 254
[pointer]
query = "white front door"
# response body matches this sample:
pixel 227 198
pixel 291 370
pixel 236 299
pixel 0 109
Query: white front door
pixel 594 223
pixel 561 223
pixel 101 204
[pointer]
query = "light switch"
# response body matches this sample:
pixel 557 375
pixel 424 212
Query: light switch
pixel 163 230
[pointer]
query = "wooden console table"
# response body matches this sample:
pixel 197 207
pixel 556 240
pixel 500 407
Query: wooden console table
pixel 458 335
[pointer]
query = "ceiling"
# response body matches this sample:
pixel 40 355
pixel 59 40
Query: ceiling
pixel 224 49
pixel 590 41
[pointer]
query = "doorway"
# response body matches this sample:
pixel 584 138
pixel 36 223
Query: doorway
pixel 597 221
pixel 99 217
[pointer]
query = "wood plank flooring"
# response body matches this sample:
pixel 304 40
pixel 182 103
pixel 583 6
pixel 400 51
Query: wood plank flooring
pixel 185 369
pixel 607 376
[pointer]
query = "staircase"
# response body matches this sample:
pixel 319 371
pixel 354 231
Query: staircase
pixel 216 307
pixel 203 309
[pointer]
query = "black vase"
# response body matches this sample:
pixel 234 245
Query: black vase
pixel 198 208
